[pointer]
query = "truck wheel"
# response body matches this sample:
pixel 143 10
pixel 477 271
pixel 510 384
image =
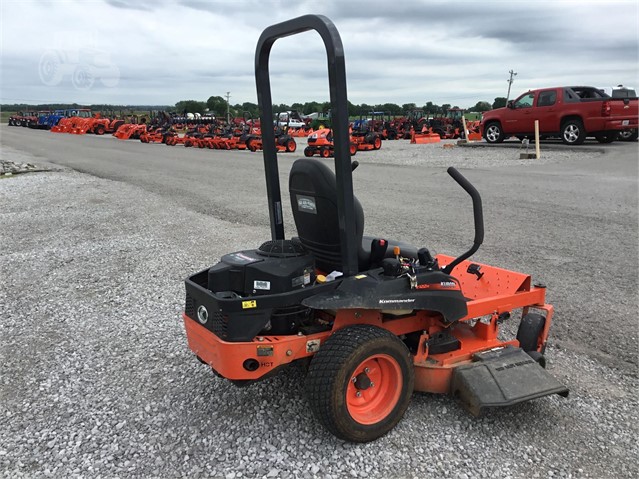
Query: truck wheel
pixel 573 132
pixel 360 382
pixel 529 330
pixel 628 135
pixel 493 133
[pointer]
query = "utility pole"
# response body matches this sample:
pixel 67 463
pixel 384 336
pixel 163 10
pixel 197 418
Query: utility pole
pixel 228 113
pixel 510 82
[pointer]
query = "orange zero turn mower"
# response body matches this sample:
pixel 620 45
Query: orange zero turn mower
pixel 373 319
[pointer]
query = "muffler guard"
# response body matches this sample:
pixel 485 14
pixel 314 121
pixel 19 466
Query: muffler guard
pixel 502 377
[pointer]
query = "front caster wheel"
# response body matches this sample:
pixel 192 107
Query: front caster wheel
pixel 360 382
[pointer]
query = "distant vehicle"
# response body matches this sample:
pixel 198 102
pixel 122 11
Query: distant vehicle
pixel 623 92
pixel 23 118
pixel 572 113
pixel 291 119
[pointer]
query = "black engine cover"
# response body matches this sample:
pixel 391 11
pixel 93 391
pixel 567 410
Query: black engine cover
pixel 254 272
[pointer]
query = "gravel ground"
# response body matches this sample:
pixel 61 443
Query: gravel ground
pixel 96 379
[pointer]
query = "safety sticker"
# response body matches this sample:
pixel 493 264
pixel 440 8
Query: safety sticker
pixel 249 304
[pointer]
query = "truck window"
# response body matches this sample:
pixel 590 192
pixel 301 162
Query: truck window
pixel 570 96
pixel 525 101
pixel 547 98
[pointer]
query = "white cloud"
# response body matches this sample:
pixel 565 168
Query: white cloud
pixel 401 52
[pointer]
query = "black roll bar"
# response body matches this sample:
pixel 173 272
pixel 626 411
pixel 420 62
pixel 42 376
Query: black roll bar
pixel 339 120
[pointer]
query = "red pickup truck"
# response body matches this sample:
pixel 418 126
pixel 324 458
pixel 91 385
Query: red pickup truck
pixel 571 113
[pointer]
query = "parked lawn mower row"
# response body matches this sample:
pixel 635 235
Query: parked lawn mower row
pixel 244 133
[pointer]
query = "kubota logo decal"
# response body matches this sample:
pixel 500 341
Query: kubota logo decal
pixel 438 286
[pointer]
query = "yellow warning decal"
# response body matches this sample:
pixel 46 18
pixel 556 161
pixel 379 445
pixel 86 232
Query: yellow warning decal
pixel 360 276
pixel 249 304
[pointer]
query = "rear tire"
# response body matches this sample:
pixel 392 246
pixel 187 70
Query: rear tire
pixel 291 146
pixel 529 330
pixel 377 142
pixel 573 132
pixel 308 151
pixel 360 382
pixel 325 152
pixel 628 135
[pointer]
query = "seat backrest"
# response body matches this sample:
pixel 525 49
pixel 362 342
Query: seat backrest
pixel 313 189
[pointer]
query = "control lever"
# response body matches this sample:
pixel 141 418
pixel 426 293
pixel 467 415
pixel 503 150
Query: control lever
pixel 378 250
pixel 425 258
pixel 354 164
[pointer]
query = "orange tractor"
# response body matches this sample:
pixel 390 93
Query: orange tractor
pixel 372 319
pixel 283 141
pixel 365 137
pixel 320 143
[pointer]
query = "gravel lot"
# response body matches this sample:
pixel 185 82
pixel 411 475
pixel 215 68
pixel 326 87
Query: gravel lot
pixel 96 379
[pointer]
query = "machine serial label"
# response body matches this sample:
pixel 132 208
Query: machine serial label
pixel 265 350
pixel 249 304
pixel 263 285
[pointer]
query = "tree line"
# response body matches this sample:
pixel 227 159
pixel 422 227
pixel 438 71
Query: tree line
pixel 217 106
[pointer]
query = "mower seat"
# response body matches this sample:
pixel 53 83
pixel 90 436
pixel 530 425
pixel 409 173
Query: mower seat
pixel 313 190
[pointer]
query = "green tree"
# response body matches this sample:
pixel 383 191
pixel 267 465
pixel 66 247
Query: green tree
pixel 251 108
pixel 445 108
pixel 392 108
pixel 216 105
pixel 481 106
pixel 190 106
pixel 408 107
pixel 310 107
pixel 499 102
pixel 429 108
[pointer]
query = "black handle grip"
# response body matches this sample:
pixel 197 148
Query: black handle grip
pixel 478 212
pixel 478 215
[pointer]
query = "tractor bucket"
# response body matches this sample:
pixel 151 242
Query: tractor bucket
pixel 502 377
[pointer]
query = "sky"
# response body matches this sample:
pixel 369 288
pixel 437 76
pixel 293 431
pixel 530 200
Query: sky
pixel 158 52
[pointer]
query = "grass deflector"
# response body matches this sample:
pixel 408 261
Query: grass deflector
pixel 373 319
